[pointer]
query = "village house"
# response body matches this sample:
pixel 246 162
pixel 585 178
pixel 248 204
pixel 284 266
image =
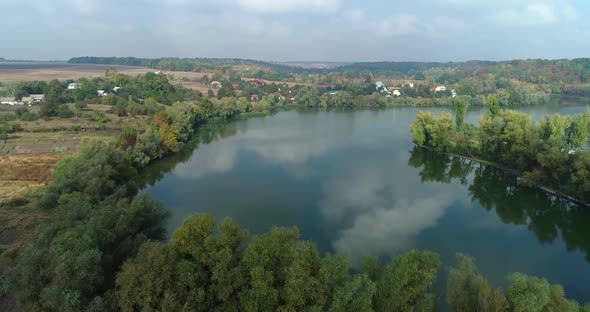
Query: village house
pixel 332 92
pixel 396 93
pixel 101 93
pixel 453 93
pixel 440 88
pixel 408 84
pixel 380 86
pixel 38 98
pixel 33 99
pixel 235 86
pixel 253 97
pixel 27 99
pixel 72 86
pixel 258 82
pixel 215 84
pixel 115 89
pixel 278 95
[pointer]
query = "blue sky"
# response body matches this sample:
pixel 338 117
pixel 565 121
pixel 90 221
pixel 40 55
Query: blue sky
pixel 329 30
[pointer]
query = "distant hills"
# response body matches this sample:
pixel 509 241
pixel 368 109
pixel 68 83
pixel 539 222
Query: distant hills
pixel 538 71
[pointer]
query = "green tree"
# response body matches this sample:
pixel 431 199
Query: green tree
pixel 100 170
pixel 4 128
pixel 527 293
pixel 149 281
pixel 49 109
pixel 460 109
pixel 553 153
pixel 64 112
pixel 208 264
pixel 283 273
pixel 493 105
pixel 75 260
pixel 468 291
pixel 406 282
pixel 433 131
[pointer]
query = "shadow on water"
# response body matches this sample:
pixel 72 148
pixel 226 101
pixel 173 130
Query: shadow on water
pixel 206 134
pixel 548 217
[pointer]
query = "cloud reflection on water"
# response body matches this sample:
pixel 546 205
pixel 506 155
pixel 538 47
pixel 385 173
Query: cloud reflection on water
pixel 376 207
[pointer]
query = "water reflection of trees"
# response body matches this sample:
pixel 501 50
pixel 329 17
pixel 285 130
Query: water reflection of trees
pixel 515 203
pixel 206 134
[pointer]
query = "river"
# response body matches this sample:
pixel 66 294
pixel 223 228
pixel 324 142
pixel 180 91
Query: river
pixel 352 182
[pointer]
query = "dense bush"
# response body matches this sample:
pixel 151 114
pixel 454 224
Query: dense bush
pixel 75 261
pixel 100 170
pixel 209 268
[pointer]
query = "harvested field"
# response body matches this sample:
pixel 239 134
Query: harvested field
pixel 25 171
pixel 22 181
pixel 11 72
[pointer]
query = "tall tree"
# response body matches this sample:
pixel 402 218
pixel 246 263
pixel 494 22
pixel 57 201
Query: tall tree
pixel 460 109
pixel 493 105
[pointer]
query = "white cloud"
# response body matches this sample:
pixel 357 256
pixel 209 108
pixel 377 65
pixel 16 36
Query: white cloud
pixel 570 13
pixel 442 25
pixel 530 15
pixel 284 6
pixel 278 29
pixel 217 157
pixel 385 216
pixel 387 231
pixel 401 24
pixel 354 15
pixel 85 6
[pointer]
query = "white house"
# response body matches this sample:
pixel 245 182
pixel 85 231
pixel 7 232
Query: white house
pixel 408 84
pixel 396 93
pixel 440 88
pixel 453 93
pixel 115 89
pixel 215 84
pixel 101 93
pixel 72 86
pixel 33 98
pixel 380 86
pixel 9 101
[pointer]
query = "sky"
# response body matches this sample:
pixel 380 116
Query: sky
pixel 296 30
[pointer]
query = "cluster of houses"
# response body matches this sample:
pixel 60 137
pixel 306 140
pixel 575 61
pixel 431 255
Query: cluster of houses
pixel 40 98
pixel 380 86
pixel 25 100
pixel 217 85
pixel 100 93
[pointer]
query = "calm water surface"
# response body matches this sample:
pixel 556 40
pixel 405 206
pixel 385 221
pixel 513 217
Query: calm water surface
pixel 352 182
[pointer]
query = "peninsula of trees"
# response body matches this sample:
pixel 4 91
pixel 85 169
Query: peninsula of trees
pixel 551 152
